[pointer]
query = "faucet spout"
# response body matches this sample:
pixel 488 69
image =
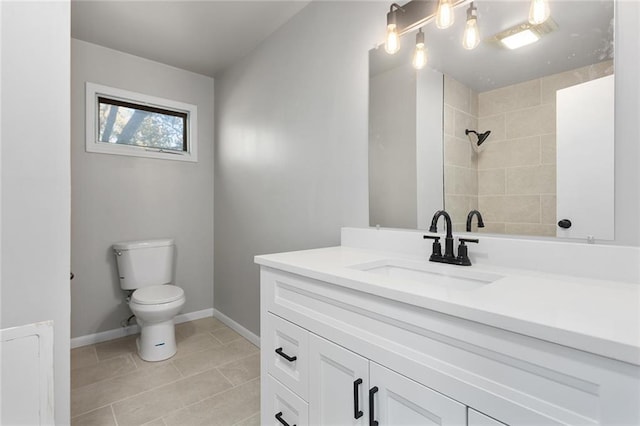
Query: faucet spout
pixel 448 241
pixel 470 216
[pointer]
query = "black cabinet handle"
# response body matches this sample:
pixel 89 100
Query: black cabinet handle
pixel 565 224
pixel 285 356
pixel 372 411
pixel 281 420
pixel 357 413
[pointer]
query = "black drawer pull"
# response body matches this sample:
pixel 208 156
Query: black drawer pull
pixel 285 356
pixel 372 411
pixel 357 413
pixel 281 420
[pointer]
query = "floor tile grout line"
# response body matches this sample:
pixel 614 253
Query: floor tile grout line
pixel 231 362
pixel 128 397
pixel 221 365
pixel 113 414
pixel 110 377
pixel 207 331
pixel 182 376
pixel 131 355
pixel 212 396
pixel 246 418
pixel 139 367
pixel 186 406
pixel 166 384
pixel 225 377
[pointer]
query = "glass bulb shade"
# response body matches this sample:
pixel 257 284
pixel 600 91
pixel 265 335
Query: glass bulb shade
pixel 445 16
pixel 471 36
pixel 419 56
pixel 539 11
pixel 392 42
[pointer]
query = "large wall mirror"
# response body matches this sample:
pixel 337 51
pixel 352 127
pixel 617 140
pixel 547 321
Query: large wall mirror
pixel 548 107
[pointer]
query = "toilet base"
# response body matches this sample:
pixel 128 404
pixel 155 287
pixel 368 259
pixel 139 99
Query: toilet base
pixel 157 341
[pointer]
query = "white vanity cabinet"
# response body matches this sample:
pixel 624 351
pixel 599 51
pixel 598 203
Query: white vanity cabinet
pixel 349 351
pixel 343 387
pixel 348 389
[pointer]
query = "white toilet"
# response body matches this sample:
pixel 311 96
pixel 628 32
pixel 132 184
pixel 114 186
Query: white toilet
pixel 146 269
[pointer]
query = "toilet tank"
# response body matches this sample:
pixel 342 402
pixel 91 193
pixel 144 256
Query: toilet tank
pixel 144 263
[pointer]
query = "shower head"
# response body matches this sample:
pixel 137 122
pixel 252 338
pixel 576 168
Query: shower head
pixel 481 137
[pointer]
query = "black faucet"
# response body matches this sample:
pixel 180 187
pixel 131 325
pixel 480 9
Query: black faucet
pixel 470 216
pixel 448 240
pixel 449 256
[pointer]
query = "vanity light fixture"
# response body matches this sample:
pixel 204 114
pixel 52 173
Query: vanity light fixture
pixel 420 54
pixel 445 16
pixel 539 11
pixel 524 34
pixel 471 36
pixel 392 42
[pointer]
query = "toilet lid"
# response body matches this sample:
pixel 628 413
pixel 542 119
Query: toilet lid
pixel 156 294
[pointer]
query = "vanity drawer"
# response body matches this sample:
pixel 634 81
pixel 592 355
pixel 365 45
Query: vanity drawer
pixel 284 404
pixel 286 348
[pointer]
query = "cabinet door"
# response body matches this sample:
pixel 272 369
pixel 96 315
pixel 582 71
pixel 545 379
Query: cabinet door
pixel 338 384
pixel 478 419
pixel 399 401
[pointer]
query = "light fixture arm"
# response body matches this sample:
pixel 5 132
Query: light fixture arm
pixel 397 6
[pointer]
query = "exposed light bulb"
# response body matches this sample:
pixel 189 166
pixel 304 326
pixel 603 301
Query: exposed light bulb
pixel 445 16
pixel 471 36
pixel 539 11
pixel 420 54
pixel 392 41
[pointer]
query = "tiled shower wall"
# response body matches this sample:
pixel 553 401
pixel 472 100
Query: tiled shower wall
pixel 516 170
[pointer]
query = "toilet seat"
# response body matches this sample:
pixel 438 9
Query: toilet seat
pixel 157 294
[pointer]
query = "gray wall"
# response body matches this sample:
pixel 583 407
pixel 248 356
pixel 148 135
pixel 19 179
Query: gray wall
pixel 392 148
pixel 291 145
pixel 117 198
pixel 35 177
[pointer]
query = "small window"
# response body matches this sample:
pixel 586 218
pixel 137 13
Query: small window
pixel 127 123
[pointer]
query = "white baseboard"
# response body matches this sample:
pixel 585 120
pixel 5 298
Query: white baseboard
pixel 103 336
pixel 237 327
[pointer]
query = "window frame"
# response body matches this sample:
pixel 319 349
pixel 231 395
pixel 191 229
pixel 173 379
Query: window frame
pixel 94 145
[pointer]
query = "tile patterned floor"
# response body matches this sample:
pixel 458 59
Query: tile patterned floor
pixel 214 379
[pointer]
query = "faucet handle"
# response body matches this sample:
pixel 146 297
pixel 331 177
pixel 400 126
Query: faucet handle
pixel 463 254
pixel 436 251
pixel 468 240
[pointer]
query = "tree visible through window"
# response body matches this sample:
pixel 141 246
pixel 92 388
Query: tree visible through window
pixel 127 123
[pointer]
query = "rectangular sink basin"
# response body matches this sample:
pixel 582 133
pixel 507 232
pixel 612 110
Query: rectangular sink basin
pixel 455 277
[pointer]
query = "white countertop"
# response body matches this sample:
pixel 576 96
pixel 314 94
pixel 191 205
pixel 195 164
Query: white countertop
pixel 595 316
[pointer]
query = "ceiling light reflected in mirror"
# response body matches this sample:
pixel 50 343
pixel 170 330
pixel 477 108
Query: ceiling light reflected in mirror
pixel 520 39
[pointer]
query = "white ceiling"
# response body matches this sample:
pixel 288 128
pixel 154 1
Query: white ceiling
pixel 200 36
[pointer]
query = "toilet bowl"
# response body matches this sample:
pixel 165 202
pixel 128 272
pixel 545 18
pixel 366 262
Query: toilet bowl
pixel 155 308
pixel 145 270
